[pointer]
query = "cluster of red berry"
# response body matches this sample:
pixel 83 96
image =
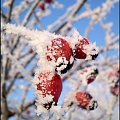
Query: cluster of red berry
pixel 83 99
pixel 64 56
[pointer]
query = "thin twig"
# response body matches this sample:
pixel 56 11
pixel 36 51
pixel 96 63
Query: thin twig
pixel 10 11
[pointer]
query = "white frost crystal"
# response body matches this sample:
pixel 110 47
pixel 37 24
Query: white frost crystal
pixel 75 38
pixel 90 50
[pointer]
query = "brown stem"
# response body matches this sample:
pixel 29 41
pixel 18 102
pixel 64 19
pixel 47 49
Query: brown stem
pixel 2 15
pixel 10 11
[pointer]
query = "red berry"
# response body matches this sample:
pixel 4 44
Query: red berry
pixel 31 50
pixel 49 1
pixel 69 26
pixel 61 52
pixel 42 6
pixel 50 87
pixel 85 101
pixel 90 74
pixel 79 51
pixel 115 89
pixel 61 48
pixel 79 54
pixel 113 74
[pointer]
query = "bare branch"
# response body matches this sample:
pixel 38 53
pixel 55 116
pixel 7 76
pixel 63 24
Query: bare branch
pixel 10 11
pixel 73 14
pixel 2 15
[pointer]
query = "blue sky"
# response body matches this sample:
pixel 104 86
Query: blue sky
pixel 97 34
pixel 82 24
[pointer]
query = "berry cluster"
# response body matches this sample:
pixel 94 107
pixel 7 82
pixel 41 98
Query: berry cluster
pixel 63 55
pixel 84 99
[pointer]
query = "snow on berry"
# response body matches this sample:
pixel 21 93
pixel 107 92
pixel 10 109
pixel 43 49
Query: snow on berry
pixel 53 87
pixel 60 52
pixel 112 76
pixel 115 89
pixel 92 76
pixel 91 51
pixel 88 75
pixel 73 40
pixel 79 49
pixel 45 87
pixel 42 6
pixel 82 48
pixel 85 101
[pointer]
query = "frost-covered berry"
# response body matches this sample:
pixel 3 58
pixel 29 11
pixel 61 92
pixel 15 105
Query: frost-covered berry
pixel 78 52
pixel 113 77
pixel 115 89
pixel 61 53
pixel 91 77
pixel 68 27
pixel 42 6
pixel 113 74
pixel 50 87
pixel 83 49
pixel 85 101
pixel 90 74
